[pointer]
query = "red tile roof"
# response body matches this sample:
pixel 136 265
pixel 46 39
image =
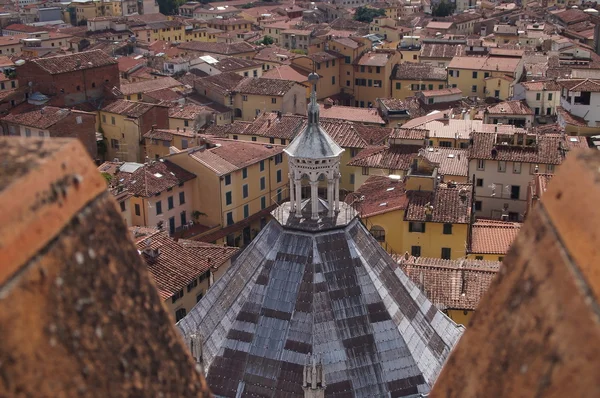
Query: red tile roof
pixel 493 237
pixel 149 85
pixel 127 108
pixel 549 148
pixel 172 265
pixel 451 284
pixel 41 117
pixel 218 48
pixel 510 108
pixel 264 86
pixel 592 85
pixel 232 155
pixel 352 114
pixel 188 111
pixel 286 72
pixel 151 178
pixel 451 204
pixel 396 157
pixel 72 62
pixel 374 59
pixel 379 195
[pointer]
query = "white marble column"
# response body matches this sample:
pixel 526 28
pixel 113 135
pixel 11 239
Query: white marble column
pixel 298 184
pixel 314 199
pixel 292 193
pixel 337 192
pixel 330 198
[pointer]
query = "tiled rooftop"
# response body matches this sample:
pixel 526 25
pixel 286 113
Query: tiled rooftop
pixel 187 111
pixel 352 114
pixel 217 48
pixel 502 64
pixel 222 83
pixel 451 284
pixel 264 86
pixel 493 237
pixel 442 50
pixel 72 62
pixel 232 155
pixel 374 59
pixel 414 71
pixel 451 204
pixel 127 108
pixel 509 108
pixel 149 85
pixel 40 117
pixel 592 85
pixel 396 157
pixel 151 178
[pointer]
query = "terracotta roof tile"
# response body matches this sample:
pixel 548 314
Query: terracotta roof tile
pixel 374 59
pixel 451 204
pixel 493 237
pixel 264 86
pixel 167 134
pixel 450 161
pixel 188 111
pixel 451 284
pixel 127 108
pixel 323 56
pixel 171 265
pixel 40 117
pixel 409 134
pixel 151 178
pixel 396 157
pixel 72 62
pixel 149 85
pixel 502 64
pixel 217 48
pixel 286 72
pixel 442 92
pixel 441 50
pixel 510 108
pixel 592 85
pixel 379 195
pixel 414 71
pixel 273 53
pixel 222 83
pixel 546 149
pixel 232 155
pixel 352 114
pixel 166 95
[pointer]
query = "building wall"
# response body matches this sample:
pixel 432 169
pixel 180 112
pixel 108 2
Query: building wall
pixel 329 73
pixel 404 88
pixel 363 95
pixel 72 87
pixel 492 197
pixel 78 125
pixel 294 101
pixel 190 297
pixel 10 49
pixel 468 78
pixel 461 317
pixel 126 213
pixel 124 131
pixel 588 112
pixel 548 99
pixel 489 257
pixel 152 218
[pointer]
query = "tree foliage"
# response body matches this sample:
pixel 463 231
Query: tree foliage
pixel 442 9
pixel 367 14
pixel 266 40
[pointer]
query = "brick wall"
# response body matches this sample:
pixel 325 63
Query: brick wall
pixel 69 88
pixel 85 131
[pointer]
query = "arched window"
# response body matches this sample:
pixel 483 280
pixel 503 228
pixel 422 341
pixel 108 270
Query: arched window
pixel 378 233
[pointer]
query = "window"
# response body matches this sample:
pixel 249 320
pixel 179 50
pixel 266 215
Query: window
pixel 362 69
pixel 538 96
pixel 479 182
pixel 137 209
pixel 333 80
pixel 228 179
pixel 517 167
pixel 501 166
pixel 27 132
pixel 179 314
pixel 282 141
pixel 378 233
pixel 183 218
pixel 263 184
pixel 159 207
pixel 447 229
pixel 478 205
pixel 245 173
pixel 370 82
pixel 497 93
pixel 473 89
pixel 480 164
pixel 245 191
pixel 78 88
pixel 415 251
pixel 279 195
pixel 376 83
pixel 181 198
pixel 398 86
pixel 515 191
pixel 177 295
pixel 228 198
pixel 246 211
pixel 192 285
pixel 536 111
pixel 347 60
pixel 170 202
pixel 103 118
pixel 414 87
pixel 486 75
pixel 478 257
pixel 446 253
pixel 263 202
pixel 378 69
pixel 139 96
pixel 430 87
pixel 244 98
pixel 262 164
pixel 199 296
pixel 278 158
pixel 416 227
pixel 278 175
pixel 122 204
pixel 500 258
pixel 548 111
pixel 550 168
pixel 549 96
pixel 229 218
pixel 273 100
pixel 253 139
pixel 352 178
pixel 112 120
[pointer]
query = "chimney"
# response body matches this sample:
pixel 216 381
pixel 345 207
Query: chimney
pixel 154 126
pixel 269 123
pixel 314 382
pixel 178 129
pixel 184 129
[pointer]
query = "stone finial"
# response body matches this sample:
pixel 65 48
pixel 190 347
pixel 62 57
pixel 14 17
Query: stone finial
pixel 314 381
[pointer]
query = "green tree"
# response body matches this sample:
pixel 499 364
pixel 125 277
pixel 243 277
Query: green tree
pixel 442 9
pixel 266 40
pixel 367 14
